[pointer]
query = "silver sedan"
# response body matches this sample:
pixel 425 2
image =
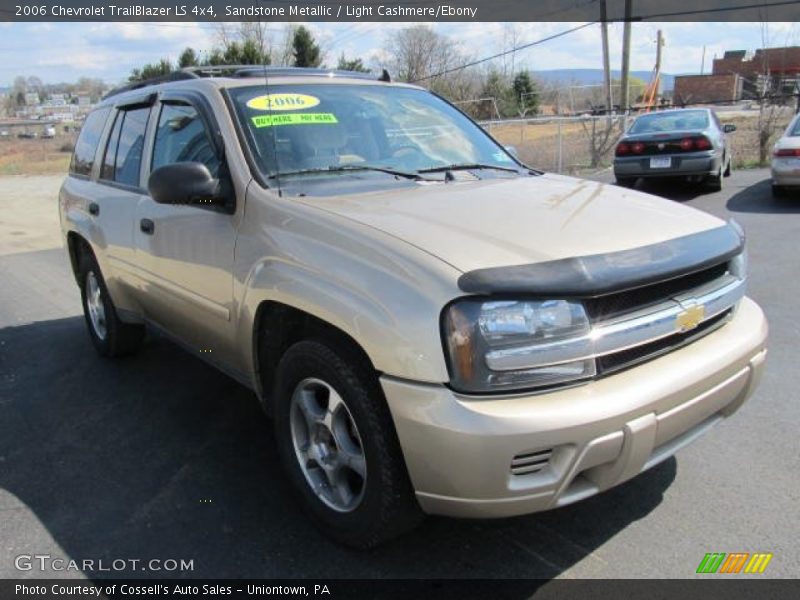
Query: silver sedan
pixel 786 160
pixel 686 143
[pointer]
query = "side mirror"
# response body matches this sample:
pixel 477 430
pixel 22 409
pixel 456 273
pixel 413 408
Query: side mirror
pixel 729 128
pixel 512 150
pixel 185 183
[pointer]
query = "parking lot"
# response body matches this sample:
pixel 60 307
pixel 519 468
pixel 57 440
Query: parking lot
pixel 161 457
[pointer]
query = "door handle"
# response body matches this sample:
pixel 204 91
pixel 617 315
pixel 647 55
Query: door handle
pixel 147 226
pixel 94 208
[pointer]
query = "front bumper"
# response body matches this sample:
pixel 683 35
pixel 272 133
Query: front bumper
pixel 459 450
pixel 697 163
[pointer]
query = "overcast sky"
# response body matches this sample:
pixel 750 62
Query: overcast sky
pixel 65 51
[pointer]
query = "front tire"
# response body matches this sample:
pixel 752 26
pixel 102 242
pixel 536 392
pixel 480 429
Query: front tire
pixel 110 336
pixel 338 446
pixel 778 192
pixel 714 183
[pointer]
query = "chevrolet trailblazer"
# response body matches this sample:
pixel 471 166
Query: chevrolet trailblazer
pixel 433 326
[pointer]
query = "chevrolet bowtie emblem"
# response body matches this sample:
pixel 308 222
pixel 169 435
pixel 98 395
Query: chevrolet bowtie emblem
pixel 691 317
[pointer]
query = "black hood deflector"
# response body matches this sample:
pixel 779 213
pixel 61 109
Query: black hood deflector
pixel 602 274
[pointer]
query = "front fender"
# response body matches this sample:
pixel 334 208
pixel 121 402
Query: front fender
pixel 384 293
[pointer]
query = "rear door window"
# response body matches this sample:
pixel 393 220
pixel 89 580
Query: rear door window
pixel 123 156
pixel 88 140
pixel 107 167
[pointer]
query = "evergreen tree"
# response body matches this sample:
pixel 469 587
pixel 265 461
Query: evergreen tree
pixel 188 58
pixel 306 51
pixel 355 64
pixel 525 94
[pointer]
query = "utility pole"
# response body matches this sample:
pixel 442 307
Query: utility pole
pixel 626 57
pixel 606 63
pixel 659 45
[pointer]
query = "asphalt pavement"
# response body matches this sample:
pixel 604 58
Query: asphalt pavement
pixel 159 456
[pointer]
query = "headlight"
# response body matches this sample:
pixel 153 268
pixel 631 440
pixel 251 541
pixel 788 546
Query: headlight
pixel 511 345
pixel 738 264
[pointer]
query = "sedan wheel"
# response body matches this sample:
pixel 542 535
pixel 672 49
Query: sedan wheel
pixel 714 183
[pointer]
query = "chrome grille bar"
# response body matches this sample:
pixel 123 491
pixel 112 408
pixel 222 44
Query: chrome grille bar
pixel 630 331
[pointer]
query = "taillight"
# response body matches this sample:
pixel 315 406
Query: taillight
pixel 787 152
pixel 622 149
pixel 702 143
pixel 687 144
pixel 637 148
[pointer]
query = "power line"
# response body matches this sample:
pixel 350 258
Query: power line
pixel 505 52
pixel 701 11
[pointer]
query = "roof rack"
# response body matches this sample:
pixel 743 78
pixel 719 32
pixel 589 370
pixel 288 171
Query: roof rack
pixel 241 71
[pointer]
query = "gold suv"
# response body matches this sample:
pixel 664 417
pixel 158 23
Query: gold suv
pixel 433 326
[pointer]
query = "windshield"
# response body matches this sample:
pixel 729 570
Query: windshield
pixel 333 126
pixel 670 121
pixel 795 129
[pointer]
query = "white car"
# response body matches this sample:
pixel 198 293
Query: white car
pixel 786 160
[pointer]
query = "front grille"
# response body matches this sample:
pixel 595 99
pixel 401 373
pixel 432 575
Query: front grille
pixel 624 359
pixel 612 305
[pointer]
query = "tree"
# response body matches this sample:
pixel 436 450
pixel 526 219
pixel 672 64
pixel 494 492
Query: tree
pixel 494 89
pixel 253 54
pixel 306 51
pixel 354 64
pixel 526 95
pixel 420 54
pixel 152 70
pixel 188 58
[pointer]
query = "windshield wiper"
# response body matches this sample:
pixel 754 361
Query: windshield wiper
pixel 344 168
pixel 467 167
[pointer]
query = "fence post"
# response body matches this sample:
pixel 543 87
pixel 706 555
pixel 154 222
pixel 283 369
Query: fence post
pixel 560 149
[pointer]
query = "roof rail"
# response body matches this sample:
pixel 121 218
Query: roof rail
pixel 245 71
pixel 135 85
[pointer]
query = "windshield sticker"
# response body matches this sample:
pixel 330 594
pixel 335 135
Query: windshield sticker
pixel 294 119
pixel 283 102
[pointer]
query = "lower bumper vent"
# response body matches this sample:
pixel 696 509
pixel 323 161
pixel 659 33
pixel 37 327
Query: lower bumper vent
pixel 530 462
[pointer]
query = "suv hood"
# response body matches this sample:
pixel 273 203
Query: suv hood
pixel 503 222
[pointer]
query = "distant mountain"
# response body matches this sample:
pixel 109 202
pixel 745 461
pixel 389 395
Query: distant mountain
pixel 589 76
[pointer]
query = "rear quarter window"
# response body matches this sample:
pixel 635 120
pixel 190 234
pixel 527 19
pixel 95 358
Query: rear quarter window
pixel 88 140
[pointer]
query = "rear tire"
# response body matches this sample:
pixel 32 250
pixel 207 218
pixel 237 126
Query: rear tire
pixel 715 183
pixel 319 386
pixel 110 336
pixel 626 182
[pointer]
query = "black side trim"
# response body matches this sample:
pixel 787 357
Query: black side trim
pixel 601 274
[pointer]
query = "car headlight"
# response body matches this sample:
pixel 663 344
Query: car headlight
pixel 512 345
pixel 738 264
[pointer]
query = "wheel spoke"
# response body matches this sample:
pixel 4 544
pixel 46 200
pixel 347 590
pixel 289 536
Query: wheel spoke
pixel 340 487
pixel 355 462
pixel 309 408
pixel 335 403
